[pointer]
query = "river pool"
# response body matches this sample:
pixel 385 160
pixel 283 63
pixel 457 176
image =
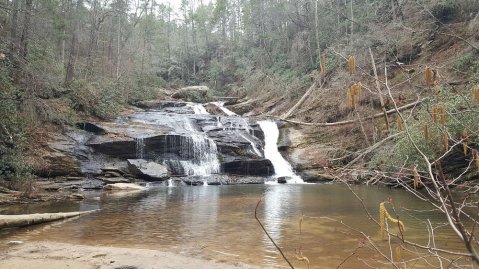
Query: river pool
pixel 217 222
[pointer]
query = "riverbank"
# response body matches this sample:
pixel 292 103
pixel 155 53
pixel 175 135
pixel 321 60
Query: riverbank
pixel 51 255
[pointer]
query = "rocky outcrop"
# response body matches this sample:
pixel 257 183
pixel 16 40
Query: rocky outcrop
pixel 58 158
pixel 183 142
pixel 58 164
pixel 148 170
pixel 310 161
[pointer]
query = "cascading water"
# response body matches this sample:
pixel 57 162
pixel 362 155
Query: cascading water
pixel 199 109
pixel 140 148
pixel 253 145
pixel 281 167
pixel 228 112
pixel 202 151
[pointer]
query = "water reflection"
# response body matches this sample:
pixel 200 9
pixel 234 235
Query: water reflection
pixel 218 222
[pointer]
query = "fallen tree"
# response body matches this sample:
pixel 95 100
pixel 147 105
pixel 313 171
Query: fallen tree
pixel 8 221
pixel 327 124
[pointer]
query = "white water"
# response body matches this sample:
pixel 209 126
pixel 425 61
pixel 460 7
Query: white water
pixel 253 145
pixel 228 112
pixel 205 160
pixel 140 147
pixel 281 167
pixel 199 109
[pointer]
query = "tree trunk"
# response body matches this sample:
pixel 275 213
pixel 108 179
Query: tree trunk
pixel 8 221
pixel 70 68
pixel 378 88
pixel 26 30
pixel 13 29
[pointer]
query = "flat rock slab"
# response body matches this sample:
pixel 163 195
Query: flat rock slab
pixel 148 170
pixel 113 180
pixel 124 186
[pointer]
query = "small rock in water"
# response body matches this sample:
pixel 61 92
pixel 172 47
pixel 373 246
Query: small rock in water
pixel 15 242
pixel 283 180
pixel 77 196
pixel 124 186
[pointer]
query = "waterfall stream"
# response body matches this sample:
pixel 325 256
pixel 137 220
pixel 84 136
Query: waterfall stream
pixel 281 167
pixel 203 153
pixel 140 147
pixel 228 112
pixel 198 109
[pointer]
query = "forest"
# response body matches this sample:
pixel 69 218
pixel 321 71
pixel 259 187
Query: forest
pixel 356 93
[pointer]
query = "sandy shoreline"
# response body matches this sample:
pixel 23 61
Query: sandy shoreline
pixel 52 255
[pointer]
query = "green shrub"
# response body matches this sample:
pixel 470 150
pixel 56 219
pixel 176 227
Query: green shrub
pixel 468 63
pixel 12 129
pixel 460 117
pixel 101 99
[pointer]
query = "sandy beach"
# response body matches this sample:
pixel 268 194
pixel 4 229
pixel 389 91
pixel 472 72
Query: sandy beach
pixel 52 255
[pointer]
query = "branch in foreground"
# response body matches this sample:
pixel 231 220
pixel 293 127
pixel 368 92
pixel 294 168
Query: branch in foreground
pixel 267 234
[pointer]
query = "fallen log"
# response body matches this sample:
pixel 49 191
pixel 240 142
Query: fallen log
pixel 301 101
pixel 8 221
pixel 327 124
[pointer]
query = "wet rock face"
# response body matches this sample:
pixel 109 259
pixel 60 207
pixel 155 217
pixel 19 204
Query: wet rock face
pixel 148 170
pixel 221 180
pixel 169 140
pixel 262 167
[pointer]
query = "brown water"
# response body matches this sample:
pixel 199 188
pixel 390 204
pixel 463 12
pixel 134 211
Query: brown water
pixel 217 222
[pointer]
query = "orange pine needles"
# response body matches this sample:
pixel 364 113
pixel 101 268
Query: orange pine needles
pixel 425 129
pixel 354 94
pixel 465 143
pixel 416 177
pixel 429 76
pixel 352 65
pixel 322 68
pixel 398 253
pixel 476 157
pixel 442 113
pixel 445 141
pixel 476 94
pixel 399 124
pixel 434 114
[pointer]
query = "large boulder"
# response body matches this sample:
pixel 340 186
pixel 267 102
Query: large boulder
pixel 59 164
pixel 148 170
pixel 58 157
pixel 192 93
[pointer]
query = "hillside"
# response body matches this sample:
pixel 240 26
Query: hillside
pixel 95 59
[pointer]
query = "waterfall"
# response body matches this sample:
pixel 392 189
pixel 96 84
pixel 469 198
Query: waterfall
pixel 228 112
pixel 281 166
pixel 253 145
pixel 202 153
pixel 198 109
pixel 140 147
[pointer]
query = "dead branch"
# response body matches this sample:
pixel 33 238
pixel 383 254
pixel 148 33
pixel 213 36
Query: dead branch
pixel 329 124
pixel 301 101
pixel 267 234
pixel 370 149
pixel 378 88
